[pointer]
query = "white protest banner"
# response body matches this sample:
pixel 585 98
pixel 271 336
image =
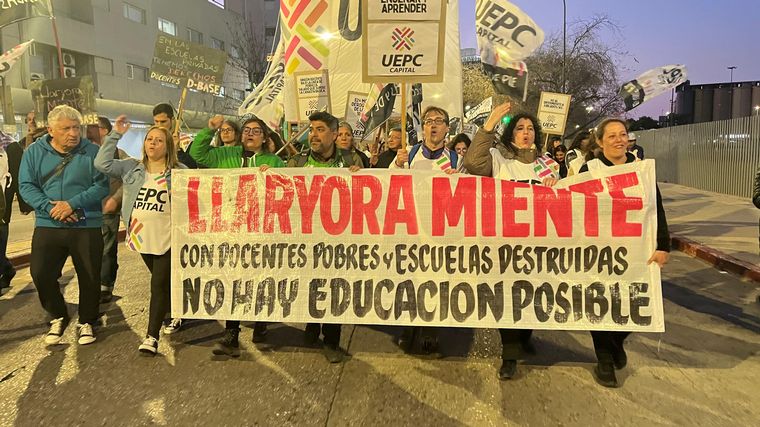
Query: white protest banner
pixel 552 112
pixel 10 57
pixel 505 33
pixel 313 88
pixel 651 84
pixel 404 41
pixel 355 103
pixel 265 102
pixel 386 247
pixel 479 112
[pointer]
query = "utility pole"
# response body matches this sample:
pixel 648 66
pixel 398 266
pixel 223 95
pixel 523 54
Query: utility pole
pixel 731 92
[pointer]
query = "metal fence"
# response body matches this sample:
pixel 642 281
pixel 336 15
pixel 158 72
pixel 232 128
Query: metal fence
pixel 720 156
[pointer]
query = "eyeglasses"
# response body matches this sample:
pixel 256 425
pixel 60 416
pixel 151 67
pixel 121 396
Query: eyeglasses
pixel 252 131
pixel 438 121
pixel 227 130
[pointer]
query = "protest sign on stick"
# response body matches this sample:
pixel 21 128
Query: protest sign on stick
pixel 76 92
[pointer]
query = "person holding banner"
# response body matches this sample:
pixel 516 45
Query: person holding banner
pixel 432 152
pixel 57 178
pixel 345 141
pixel 146 211
pixel 612 136
pixel 516 157
pixel 253 152
pixel 323 133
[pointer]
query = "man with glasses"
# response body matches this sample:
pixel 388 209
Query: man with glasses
pixel 431 153
pixel 253 152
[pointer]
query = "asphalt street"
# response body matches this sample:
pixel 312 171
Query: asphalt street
pixel 703 370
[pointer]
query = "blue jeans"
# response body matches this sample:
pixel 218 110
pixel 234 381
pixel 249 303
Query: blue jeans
pixel 110 266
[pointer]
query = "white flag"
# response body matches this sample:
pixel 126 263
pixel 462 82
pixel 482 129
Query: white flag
pixel 651 84
pixel 505 33
pixel 9 58
pixel 265 102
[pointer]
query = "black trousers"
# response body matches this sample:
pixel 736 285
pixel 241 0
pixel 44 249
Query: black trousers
pixel 160 267
pixel 50 248
pixel 605 343
pixel 331 332
pixel 512 342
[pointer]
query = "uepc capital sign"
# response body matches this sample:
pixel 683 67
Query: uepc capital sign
pixel 403 40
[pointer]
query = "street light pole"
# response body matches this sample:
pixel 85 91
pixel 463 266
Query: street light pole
pixel 731 92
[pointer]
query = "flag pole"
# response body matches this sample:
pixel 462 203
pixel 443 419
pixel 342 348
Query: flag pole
pixel 57 40
pixel 403 116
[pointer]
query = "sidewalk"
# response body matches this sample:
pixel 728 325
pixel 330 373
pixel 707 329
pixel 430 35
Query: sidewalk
pixel 717 228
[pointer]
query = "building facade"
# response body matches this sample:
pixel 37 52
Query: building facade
pixel 715 101
pixel 113 41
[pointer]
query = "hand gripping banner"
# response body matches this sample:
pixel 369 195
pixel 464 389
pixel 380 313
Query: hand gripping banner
pixel 426 249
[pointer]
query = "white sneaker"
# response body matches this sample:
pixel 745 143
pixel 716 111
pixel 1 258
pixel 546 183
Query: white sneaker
pixel 173 326
pixel 55 333
pixel 149 346
pixel 86 335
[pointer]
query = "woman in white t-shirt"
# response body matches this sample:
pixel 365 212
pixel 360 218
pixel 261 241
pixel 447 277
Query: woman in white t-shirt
pixel 146 211
pixel 516 156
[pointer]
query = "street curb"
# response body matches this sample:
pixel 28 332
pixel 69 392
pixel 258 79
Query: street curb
pixel 22 260
pixel 716 258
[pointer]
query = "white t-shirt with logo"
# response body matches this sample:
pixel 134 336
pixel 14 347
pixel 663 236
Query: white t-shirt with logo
pixel 150 225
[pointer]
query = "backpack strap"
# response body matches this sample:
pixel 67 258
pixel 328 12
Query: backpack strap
pixel 58 169
pixel 413 152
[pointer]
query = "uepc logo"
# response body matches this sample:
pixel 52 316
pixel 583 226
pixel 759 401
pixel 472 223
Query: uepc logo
pixel 402 39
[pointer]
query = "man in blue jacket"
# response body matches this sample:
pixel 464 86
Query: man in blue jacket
pixel 58 179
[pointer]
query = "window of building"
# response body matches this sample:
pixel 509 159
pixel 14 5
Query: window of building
pixel 134 13
pixel 167 26
pixel 136 72
pixel 194 36
pixel 238 94
pixel 217 3
pixel 217 44
pixel 235 52
pixel 103 65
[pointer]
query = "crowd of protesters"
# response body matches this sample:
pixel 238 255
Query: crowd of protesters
pixel 80 190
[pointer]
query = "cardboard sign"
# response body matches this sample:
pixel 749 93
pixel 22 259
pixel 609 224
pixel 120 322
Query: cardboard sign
pixel 423 249
pixel 75 92
pixel 403 41
pixel 313 88
pixel 552 112
pixel 355 103
pixel 182 63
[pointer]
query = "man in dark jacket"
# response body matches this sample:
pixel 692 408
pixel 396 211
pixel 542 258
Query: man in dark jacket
pixel 57 177
pixel 323 133
pixel 13 153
